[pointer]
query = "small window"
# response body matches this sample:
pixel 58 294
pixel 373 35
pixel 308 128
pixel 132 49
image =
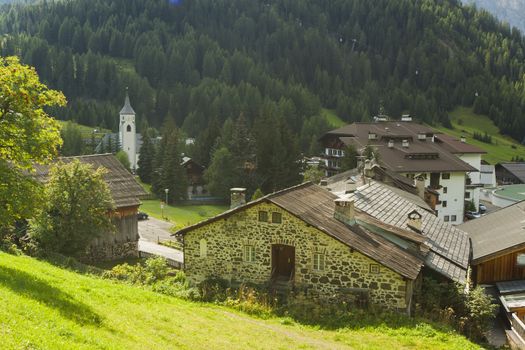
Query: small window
pixel 467 195
pixel 249 253
pixel 128 128
pixel 319 261
pixel 203 248
pixel 446 218
pixel 520 260
pixel 453 218
pixel 445 189
pixel 444 204
pixel 374 268
pixel 445 176
pixel 276 218
pixel 263 216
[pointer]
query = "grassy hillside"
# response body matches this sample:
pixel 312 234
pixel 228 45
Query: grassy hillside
pixel 466 122
pixel 332 118
pixel 45 307
pixel 182 215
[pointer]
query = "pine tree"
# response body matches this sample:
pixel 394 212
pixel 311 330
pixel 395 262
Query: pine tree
pixel 146 158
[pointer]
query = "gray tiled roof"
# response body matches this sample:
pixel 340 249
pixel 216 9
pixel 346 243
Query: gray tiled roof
pixel 497 231
pixel 449 246
pixel 125 190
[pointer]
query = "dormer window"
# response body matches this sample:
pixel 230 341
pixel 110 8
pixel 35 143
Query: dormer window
pixel 422 136
pixel 372 136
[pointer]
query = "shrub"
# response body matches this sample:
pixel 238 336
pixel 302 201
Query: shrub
pixel 469 312
pixel 213 289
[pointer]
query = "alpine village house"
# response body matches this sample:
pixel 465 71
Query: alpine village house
pixel 309 238
pixel 447 169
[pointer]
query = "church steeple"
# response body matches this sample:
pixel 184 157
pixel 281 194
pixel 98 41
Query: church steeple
pixel 127 132
pixel 127 109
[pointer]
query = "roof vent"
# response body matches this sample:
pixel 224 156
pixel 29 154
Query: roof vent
pixel 406 118
pixel 390 143
pixel 405 144
pixel 463 139
pixel 237 197
pixel 372 136
pixel 344 211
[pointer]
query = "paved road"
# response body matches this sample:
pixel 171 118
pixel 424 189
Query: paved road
pixel 155 230
pixel 152 231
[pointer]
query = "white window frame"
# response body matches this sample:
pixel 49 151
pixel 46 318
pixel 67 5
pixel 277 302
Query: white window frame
pixel 249 253
pixel 319 261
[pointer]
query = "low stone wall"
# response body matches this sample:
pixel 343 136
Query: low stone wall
pixel 109 252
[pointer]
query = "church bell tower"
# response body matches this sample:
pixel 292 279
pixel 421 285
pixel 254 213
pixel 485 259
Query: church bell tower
pixel 128 132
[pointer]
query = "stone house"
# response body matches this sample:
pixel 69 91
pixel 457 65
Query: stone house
pixel 126 193
pixel 307 237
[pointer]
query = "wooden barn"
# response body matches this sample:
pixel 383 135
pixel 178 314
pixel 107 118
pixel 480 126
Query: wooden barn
pixel 126 193
pixel 498 245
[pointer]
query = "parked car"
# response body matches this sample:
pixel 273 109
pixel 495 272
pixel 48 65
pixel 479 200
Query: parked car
pixel 472 215
pixel 142 216
pixel 482 208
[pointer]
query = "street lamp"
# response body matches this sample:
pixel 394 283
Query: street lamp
pixel 166 190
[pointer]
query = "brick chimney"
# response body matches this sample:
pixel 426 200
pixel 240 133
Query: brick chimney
pixel 344 211
pixel 237 197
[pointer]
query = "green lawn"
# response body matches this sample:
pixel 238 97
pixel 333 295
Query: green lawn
pixel 87 131
pixel 45 307
pixel 332 118
pixel 181 215
pixel 466 122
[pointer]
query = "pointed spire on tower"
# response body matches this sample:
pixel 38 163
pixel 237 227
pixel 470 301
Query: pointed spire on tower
pixel 127 109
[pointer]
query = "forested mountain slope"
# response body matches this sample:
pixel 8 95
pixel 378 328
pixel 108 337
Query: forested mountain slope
pixel 204 61
pixel 511 11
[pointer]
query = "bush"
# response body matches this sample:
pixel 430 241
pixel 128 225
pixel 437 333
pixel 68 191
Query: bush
pixel 153 270
pixel 469 312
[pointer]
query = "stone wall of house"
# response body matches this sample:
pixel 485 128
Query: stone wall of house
pixel 346 270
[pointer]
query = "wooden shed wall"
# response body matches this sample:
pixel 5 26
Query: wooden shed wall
pixel 502 268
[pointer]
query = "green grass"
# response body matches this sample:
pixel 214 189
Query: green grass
pixel 45 307
pixel 332 118
pixel 182 215
pixel 87 131
pixel 466 122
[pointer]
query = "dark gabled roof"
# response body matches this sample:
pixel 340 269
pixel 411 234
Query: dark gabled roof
pixel 496 232
pixel 125 190
pixel 315 206
pixel 517 169
pixel 454 145
pixel 449 246
pixel 419 156
pixel 127 109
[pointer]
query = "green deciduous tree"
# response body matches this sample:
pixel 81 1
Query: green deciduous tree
pixel 77 209
pixel 123 159
pixel 27 134
pixel 313 174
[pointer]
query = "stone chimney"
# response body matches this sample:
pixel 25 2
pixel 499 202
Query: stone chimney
pixel 420 186
pixel 369 168
pixel 350 186
pixel 414 221
pixel 237 197
pixel 344 211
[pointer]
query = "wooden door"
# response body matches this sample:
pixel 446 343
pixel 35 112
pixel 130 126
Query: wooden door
pixel 283 260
